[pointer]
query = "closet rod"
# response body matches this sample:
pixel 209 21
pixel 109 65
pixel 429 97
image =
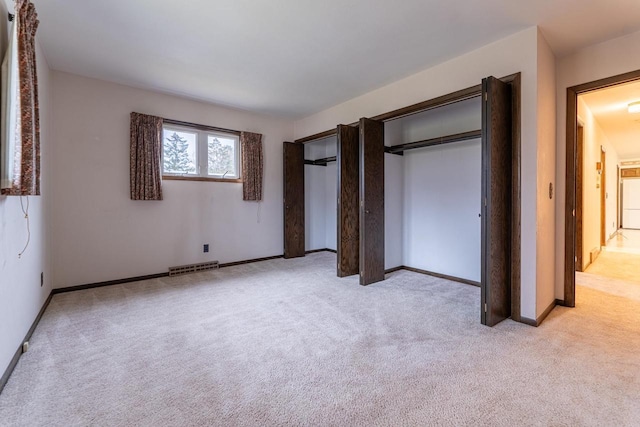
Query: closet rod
pixel 474 134
pixel 389 150
pixel 320 162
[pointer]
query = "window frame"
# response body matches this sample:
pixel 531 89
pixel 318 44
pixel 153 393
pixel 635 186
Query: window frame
pixel 202 154
pixel 237 155
pixel 10 110
pixel 182 129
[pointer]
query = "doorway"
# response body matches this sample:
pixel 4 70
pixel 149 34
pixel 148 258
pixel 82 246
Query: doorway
pixel 579 168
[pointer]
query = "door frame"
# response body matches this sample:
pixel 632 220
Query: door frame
pixel 570 176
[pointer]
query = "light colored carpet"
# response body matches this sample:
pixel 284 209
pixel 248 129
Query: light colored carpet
pixel 617 265
pixel 285 342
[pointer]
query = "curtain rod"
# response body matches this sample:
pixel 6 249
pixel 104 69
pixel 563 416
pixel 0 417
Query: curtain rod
pixel 201 127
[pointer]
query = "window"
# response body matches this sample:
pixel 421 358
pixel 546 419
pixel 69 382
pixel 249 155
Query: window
pixel 191 153
pixel 11 132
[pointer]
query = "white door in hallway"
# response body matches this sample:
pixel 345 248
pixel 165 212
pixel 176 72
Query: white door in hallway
pixel 631 203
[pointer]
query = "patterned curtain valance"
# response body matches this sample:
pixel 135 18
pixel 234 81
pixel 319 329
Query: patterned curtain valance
pixel 146 157
pixel 252 166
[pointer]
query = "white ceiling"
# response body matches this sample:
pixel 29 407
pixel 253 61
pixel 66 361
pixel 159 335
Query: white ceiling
pixel 297 57
pixel 609 107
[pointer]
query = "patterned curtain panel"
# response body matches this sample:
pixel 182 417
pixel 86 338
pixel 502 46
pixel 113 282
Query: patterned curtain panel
pixel 146 156
pixel 23 140
pixel 252 165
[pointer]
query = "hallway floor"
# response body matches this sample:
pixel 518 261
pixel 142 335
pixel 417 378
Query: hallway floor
pixel 625 240
pixel 620 259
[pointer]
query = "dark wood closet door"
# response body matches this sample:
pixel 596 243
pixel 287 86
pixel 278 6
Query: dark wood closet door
pixel 293 200
pixel 371 201
pixel 496 201
pixel 348 199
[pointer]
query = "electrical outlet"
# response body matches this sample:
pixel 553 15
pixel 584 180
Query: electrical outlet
pixel 205 248
pixel 42 279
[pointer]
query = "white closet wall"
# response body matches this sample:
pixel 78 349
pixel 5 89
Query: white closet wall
pixel 441 204
pixel 314 207
pixel 320 196
pixel 331 205
pixel 393 210
pixel 432 194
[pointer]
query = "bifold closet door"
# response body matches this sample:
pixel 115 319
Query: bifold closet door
pixel 348 200
pixel 371 201
pixel 293 165
pixel 496 201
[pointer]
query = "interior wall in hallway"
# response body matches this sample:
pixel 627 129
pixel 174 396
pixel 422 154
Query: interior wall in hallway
pixel 594 140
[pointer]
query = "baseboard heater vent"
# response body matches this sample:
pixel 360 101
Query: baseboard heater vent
pixel 192 268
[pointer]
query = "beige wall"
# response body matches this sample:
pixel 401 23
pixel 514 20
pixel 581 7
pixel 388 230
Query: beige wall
pixel 545 258
pixel 99 234
pixel 595 140
pixel 595 62
pixel 21 295
pixel 459 73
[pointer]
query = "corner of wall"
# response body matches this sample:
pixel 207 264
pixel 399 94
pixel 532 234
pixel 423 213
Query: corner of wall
pixel 546 175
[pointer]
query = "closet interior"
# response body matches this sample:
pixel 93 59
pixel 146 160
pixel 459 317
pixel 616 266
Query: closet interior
pixel 320 194
pixel 433 191
pixel 433 188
